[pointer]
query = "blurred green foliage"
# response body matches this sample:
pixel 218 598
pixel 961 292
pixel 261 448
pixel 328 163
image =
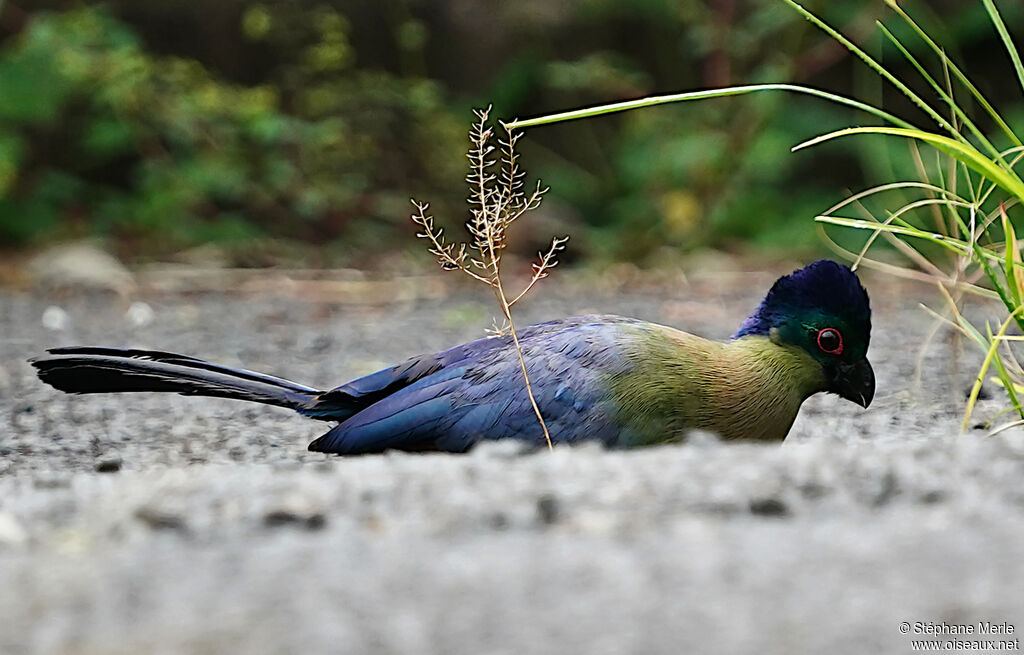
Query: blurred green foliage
pixel 97 135
pixel 162 125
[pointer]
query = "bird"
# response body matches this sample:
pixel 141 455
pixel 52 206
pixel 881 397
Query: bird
pixel 620 381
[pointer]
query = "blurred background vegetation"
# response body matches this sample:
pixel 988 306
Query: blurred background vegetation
pixel 297 132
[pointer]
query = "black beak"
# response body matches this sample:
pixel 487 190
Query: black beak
pixel 855 382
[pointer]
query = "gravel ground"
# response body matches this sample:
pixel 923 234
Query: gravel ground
pixel 163 524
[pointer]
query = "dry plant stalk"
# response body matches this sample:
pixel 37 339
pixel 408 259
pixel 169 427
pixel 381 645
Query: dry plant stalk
pixel 497 198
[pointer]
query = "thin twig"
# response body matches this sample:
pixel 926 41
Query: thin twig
pixel 496 201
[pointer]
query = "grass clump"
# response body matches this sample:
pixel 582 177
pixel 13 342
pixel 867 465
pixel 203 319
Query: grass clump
pixel 497 199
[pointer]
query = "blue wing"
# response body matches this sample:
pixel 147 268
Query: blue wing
pixel 475 391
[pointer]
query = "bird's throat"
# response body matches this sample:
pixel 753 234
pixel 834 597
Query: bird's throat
pixel 746 388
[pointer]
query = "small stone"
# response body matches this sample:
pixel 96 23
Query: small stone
pixel 55 319
pixel 499 521
pixel 885 490
pixel 983 392
pixel 110 464
pixel 139 314
pixel 502 449
pixel 296 511
pixel 769 507
pixel 159 518
pixel 11 531
pixel 51 480
pixel 324 466
pixel 548 509
pixel 80 267
pixel 702 439
pixel 813 490
pixel 283 517
pixel 321 343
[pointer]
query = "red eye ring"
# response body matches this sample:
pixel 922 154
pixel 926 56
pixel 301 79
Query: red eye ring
pixel 830 341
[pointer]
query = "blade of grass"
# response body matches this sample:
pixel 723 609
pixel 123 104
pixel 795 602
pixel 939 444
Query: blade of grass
pixel 1018 153
pixel 1004 34
pixel 952 219
pixel 990 355
pixel 1004 377
pixel 890 187
pixel 904 247
pixel 982 257
pixel 1014 275
pixel 909 274
pixel 897 217
pixel 942 93
pixel 652 101
pixel 922 172
pixel 939 317
pixel 878 68
pixel 959 74
pixel 958 246
pixel 962 152
pixel 955 245
pixel 966 327
pixel 972 398
pixel 1003 428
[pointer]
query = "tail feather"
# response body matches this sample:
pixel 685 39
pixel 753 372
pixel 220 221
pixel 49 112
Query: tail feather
pixel 112 370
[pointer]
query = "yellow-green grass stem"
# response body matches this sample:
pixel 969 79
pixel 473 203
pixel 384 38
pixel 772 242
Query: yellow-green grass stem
pixel 1004 34
pixel 959 74
pixel 651 101
pixel 964 153
pixel 942 93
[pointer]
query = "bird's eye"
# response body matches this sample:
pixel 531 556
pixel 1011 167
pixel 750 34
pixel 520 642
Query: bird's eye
pixel 830 341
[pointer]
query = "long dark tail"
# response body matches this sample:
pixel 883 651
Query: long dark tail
pixel 113 370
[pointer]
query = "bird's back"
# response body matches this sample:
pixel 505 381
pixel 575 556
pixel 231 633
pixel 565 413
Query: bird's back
pixel 451 400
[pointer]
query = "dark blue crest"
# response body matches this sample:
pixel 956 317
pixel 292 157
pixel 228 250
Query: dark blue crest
pixel 823 288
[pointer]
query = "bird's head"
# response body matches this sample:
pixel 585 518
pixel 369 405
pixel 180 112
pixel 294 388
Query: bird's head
pixel 823 309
